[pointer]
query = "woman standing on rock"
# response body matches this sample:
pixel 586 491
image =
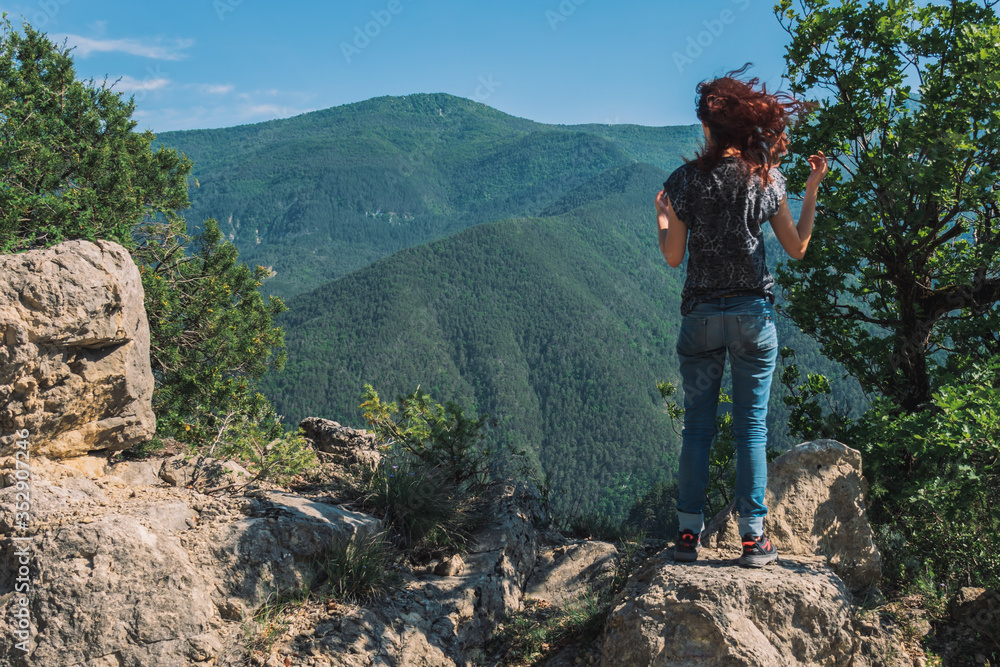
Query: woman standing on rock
pixel 715 207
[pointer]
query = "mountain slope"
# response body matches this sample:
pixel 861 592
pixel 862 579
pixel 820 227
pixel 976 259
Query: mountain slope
pixel 559 327
pixel 323 194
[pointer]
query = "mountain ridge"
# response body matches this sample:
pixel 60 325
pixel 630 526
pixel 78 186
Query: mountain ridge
pixel 325 193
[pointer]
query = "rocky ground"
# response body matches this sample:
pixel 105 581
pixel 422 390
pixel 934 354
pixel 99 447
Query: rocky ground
pixel 132 567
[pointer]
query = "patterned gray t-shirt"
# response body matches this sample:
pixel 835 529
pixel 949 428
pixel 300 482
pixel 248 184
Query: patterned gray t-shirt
pixel 724 210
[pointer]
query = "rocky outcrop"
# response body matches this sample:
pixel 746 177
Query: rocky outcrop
pixel 74 350
pixel 347 445
pixel 158 576
pixel 562 572
pixel 128 570
pixel 713 613
pixel 441 619
pixel 816 507
pixel 796 611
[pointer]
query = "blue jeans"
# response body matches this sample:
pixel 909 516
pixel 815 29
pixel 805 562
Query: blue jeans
pixel 743 325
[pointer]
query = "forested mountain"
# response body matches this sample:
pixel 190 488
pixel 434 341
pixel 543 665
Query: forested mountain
pixel 560 327
pixel 322 194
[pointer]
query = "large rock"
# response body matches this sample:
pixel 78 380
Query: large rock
pixel 562 572
pixel 816 507
pixel 164 578
pixel 710 613
pixel 347 445
pixel 147 575
pixel 74 358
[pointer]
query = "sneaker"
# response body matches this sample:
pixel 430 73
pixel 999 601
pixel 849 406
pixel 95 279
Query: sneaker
pixel 688 546
pixel 757 551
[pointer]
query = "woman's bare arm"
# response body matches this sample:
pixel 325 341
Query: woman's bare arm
pixel 672 231
pixel 795 238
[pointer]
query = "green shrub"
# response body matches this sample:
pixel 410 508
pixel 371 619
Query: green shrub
pixel 277 460
pixel 212 337
pixel 935 477
pixel 439 435
pixel 809 419
pixel 934 472
pixel 359 568
pixel 420 502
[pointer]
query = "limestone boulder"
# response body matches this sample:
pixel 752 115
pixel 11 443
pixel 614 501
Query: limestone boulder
pixel 137 473
pixel 346 445
pixel 711 613
pixel 562 572
pixel 74 350
pixel 977 609
pixel 157 575
pixel 816 507
pixel 189 469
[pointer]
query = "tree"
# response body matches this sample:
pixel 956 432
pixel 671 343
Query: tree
pixel 71 166
pixel 902 276
pixel 212 336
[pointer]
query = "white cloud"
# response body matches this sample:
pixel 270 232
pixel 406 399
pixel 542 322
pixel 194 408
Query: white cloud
pixel 199 117
pixel 129 84
pixel 273 92
pixel 215 88
pixel 269 110
pixel 84 46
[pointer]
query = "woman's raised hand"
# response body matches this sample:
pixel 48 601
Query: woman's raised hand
pixel 819 170
pixel 662 203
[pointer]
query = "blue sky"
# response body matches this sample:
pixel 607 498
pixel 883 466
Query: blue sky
pixel 217 63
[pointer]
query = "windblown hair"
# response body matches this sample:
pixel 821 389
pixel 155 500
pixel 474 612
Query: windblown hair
pixel 751 120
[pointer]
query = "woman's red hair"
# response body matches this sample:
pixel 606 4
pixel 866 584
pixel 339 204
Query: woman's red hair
pixel 751 120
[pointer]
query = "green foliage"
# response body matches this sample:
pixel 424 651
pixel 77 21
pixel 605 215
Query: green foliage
pixel 73 168
pixel 902 269
pixel 810 419
pixel 70 165
pixel 421 502
pixel 359 568
pixel 211 338
pixel 278 460
pixel 655 512
pixel 438 435
pixel 596 525
pixel 553 326
pixel 943 508
pixel 900 283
